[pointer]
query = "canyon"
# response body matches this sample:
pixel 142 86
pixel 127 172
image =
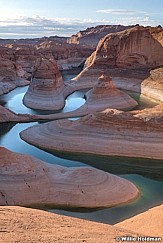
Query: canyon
pixel 115 61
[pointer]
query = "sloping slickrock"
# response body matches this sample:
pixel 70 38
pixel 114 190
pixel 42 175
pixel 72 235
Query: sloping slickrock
pixel 26 180
pixel 19 224
pixel 110 132
pixel 149 222
pixel 46 91
pixel 153 85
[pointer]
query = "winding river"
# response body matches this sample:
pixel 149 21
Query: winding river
pixel 146 174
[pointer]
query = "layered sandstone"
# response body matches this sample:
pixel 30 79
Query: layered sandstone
pixel 118 133
pixel 153 85
pixel 154 114
pixel 7 116
pixel 11 74
pixel 46 91
pixel 67 56
pixel 127 56
pixel 135 47
pixel 91 36
pixel 28 181
pixel 105 95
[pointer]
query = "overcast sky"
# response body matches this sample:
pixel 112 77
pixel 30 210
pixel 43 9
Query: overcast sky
pixel 36 18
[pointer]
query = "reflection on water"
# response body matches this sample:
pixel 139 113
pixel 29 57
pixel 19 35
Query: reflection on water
pixel 133 169
pixel 143 101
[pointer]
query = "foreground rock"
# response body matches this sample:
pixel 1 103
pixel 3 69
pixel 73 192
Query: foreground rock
pixel 46 91
pixel 20 224
pixel 153 217
pixel 26 180
pixel 110 132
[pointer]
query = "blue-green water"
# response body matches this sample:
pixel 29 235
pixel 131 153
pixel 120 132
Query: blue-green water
pixel 147 175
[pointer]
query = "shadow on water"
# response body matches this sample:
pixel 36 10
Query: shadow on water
pixel 151 195
pixel 118 165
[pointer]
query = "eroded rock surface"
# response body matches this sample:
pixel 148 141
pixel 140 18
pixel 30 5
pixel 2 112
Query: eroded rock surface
pixel 91 36
pixel 127 56
pixel 26 180
pixel 46 91
pixel 110 132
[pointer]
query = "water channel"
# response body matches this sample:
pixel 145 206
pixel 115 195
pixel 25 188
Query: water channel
pixel 146 174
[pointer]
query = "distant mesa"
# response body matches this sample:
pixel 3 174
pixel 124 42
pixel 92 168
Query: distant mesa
pixel 92 35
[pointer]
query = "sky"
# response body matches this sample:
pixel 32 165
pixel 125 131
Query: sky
pixel 37 18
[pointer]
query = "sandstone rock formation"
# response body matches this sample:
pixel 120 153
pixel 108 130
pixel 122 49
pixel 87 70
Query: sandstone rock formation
pixel 28 181
pixel 105 95
pixel 110 132
pixel 11 74
pixel 92 35
pixel 153 85
pixel 154 114
pixel 19 224
pixel 67 56
pixel 135 47
pixel 7 116
pixel 125 55
pixel 153 217
pixel 46 91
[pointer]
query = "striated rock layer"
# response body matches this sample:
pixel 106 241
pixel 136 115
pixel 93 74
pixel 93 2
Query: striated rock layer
pixel 26 180
pixel 105 95
pixel 154 114
pixel 91 36
pixel 128 56
pixel 110 132
pixel 11 74
pixel 46 91
pixel 7 115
